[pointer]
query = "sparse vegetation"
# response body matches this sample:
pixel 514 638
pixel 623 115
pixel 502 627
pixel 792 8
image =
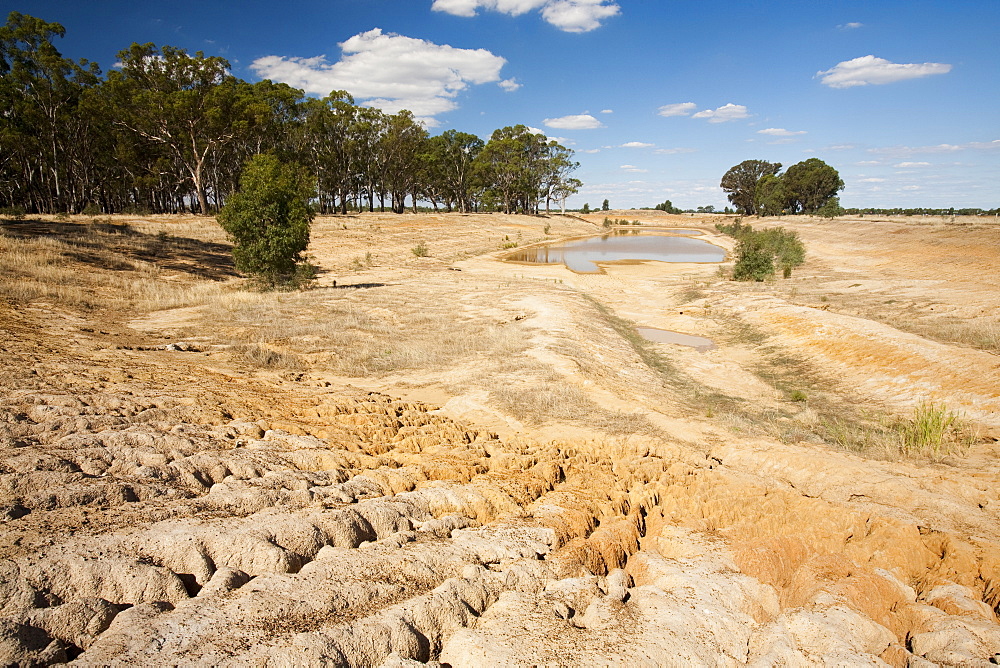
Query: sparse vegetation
pixel 420 250
pixel 759 252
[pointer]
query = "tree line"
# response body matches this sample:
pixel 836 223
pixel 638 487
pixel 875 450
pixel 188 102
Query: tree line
pixel 919 211
pixel 166 131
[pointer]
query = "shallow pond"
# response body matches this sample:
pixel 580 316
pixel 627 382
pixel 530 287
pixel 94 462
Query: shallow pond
pixel 699 343
pixel 584 255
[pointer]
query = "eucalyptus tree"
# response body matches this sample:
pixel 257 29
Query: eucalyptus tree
pixel 770 196
pixel 740 182
pixel 366 134
pixel 513 167
pixel 400 146
pixel 190 105
pixel 327 146
pixel 450 168
pixel 810 184
pixel 561 191
pixel 557 183
pixel 272 114
pixel 42 135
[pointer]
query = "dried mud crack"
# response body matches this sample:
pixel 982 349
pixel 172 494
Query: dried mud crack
pixel 480 467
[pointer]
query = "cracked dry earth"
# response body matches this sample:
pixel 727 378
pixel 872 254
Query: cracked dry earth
pixel 170 498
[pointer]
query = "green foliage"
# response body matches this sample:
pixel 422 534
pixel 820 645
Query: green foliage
pixel 420 250
pixel 928 428
pixel 770 196
pixel 605 206
pixel 740 182
pixel 830 209
pixel 585 208
pixel 798 396
pixel 268 220
pixel 667 206
pixel 167 131
pixel 754 260
pixel 759 252
pixel 810 184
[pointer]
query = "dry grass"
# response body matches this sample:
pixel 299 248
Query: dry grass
pixel 99 265
pixel 381 331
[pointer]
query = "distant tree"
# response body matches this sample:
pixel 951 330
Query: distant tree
pixel 585 208
pixel 268 219
pixel 667 206
pixel 740 182
pixel 706 209
pixel 564 189
pixel 770 197
pixel 451 156
pixel 605 206
pixel 831 208
pixel 810 184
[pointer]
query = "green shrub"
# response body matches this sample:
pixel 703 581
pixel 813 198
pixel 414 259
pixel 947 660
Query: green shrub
pixel 420 250
pixel 754 260
pixel 782 249
pixel 268 220
pixel 92 209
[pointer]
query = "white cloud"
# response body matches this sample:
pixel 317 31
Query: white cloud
pixel 679 109
pixel 509 85
pixel 590 150
pixel 576 122
pixel 871 70
pixel 868 162
pixel 911 188
pixel 607 111
pixel 780 132
pixel 912 164
pixel 871 180
pixel 853 25
pixel 728 112
pixel 579 15
pixel 567 15
pixel 633 168
pixel 905 151
pixel 389 71
pixel 636 144
pixel 674 151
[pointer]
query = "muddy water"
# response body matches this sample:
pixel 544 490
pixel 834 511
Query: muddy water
pixel 699 343
pixel 585 255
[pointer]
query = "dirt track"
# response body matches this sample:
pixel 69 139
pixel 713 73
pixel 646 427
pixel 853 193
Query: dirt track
pixel 460 460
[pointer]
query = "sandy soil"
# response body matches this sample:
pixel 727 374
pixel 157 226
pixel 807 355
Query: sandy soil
pixel 455 460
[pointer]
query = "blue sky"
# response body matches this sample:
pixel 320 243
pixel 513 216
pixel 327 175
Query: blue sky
pixel 658 98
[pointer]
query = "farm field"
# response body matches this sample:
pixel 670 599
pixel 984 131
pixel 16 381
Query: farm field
pixel 440 457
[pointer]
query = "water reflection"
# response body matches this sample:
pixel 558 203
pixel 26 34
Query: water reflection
pixel 699 343
pixel 583 255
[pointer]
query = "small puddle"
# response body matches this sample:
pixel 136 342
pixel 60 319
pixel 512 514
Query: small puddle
pixel 584 255
pixel 699 343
